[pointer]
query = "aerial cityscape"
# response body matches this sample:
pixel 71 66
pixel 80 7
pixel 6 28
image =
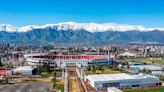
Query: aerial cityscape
pixel 82 46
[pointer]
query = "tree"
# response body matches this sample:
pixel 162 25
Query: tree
pixel 128 66
pixel 162 78
pixel 108 66
pixel 146 71
pixel 114 66
pixel 54 78
pixel 88 68
pixel 92 67
pixel 102 69
pixel 96 67
pixel 44 74
pixel 46 67
pixel 1 62
pixel 6 80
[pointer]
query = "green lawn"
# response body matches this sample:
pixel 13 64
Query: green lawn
pixel 59 85
pixel 156 60
pixel 106 71
pixel 147 90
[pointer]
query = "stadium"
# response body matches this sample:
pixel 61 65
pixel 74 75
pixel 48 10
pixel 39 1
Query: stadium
pixel 68 60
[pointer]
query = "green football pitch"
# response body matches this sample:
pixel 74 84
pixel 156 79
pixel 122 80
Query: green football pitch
pixel 146 90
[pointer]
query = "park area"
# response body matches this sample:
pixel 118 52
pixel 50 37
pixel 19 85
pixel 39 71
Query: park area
pixel 146 90
pixel 74 84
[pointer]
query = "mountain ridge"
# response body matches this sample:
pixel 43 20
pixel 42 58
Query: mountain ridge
pixel 66 34
pixel 91 27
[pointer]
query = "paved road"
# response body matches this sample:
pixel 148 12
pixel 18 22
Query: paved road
pixel 65 81
pixel 26 87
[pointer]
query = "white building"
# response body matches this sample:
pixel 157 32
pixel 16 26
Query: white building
pixel 127 54
pixel 121 80
pixel 113 89
pixel 24 70
pixel 147 67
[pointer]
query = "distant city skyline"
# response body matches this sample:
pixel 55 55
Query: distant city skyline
pixel 148 13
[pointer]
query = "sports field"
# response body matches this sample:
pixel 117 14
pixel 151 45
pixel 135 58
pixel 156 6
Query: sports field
pixel 147 90
pixel 148 60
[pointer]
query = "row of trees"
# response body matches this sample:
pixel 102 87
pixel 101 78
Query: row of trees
pixel 43 67
pixel 102 68
pixel 46 74
pixel 145 71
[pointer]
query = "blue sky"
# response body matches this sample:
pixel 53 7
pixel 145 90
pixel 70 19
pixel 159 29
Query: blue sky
pixel 149 13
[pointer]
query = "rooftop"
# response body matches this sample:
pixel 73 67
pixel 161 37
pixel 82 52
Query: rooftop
pixel 24 68
pixel 113 89
pixel 108 77
pixel 148 67
pixel 120 76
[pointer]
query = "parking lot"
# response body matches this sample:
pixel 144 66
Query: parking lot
pixel 26 87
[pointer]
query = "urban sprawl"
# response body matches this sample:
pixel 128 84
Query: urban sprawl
pixel 109 68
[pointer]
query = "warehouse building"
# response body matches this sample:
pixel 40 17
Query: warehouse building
pixel 25 70
pixel 147 67
pixel 121 80
pixel 113 89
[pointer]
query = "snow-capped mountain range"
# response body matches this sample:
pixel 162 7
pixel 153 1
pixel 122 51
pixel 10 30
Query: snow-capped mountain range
pixel 91 27
pixel 77 33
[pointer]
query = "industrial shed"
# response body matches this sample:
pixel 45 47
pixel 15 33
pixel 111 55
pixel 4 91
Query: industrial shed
pixel 25 70
pixel 121 80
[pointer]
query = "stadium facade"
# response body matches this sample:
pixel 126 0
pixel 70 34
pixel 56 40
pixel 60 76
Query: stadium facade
pixel 68 60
